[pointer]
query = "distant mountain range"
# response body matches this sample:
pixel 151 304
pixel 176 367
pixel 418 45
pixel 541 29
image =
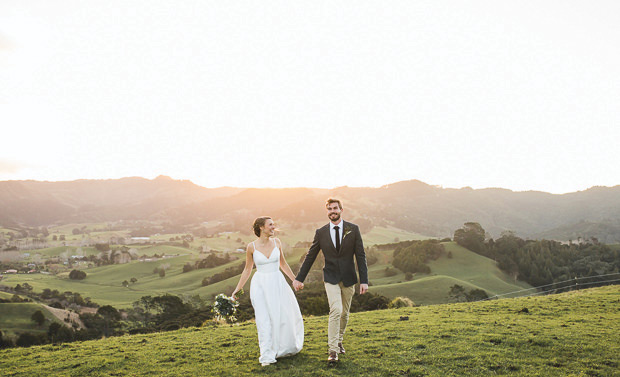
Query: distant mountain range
pixel 410 205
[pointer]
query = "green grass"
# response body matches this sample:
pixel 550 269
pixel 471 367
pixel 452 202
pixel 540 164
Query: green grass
pixel 383 235
pixel 571 334
pixel 162 249
pixel 224 242
pixel 148 250
pixel 290 236
pixel 68 228
pixel 464 268
pixel 5 295
pixel 16 318
pixel 377 235
pixel 59 250
pixel 104 237
pixel 104 284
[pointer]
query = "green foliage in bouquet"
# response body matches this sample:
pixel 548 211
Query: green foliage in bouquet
pixel 225 308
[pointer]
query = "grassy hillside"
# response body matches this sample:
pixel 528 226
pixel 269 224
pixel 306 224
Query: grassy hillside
pixel 570 334
pixel 16 318
pixel 104 284
pixel 465 268
pixel 5 295
pixel 59 250
pixel 383 235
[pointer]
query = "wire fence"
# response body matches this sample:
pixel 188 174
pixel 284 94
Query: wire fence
pixel 561 286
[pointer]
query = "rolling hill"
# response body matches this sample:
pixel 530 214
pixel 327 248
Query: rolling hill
pixel 410 205
pixel 104 284
pixel 465 268
pixel 568 334
pixel 16 318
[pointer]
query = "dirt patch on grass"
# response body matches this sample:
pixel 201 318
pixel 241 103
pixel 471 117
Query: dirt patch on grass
pixel 62 314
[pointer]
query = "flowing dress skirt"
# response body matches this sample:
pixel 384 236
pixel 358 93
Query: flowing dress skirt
pixel 278 318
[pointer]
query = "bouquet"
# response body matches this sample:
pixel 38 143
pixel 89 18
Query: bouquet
pixel 225 308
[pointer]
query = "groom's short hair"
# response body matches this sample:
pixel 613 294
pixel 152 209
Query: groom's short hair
pixel 332 200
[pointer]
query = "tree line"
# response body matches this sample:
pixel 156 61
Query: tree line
pixel 541 262
pixel 166 313
pixel 413 256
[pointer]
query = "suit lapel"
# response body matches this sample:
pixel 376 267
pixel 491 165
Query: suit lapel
pixel 344 226
pixel 328 234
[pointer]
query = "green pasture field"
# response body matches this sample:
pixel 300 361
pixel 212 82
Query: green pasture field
pixel 58 250
pixel 15 318
pixel 570 334
pixel 5 295
pixel 150 250
pixel 222 242
pixel 290 237
pixel 383 235
pixel 166 237
pixel 68 228
pixel 377 235
pixel 106 235
pixel 465 268
pixel 104 284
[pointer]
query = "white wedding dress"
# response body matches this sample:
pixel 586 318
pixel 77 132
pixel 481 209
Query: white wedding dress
pixel 278 318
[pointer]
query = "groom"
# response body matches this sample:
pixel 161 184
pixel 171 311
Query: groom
pixel 340 241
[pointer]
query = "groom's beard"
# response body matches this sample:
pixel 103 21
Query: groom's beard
pixel 334 217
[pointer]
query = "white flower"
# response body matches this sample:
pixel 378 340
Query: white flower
pixel 225 307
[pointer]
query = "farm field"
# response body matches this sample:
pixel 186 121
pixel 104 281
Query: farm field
pixel 104 284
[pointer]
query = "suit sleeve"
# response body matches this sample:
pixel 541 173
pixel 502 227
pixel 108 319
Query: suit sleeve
pixel 313 251
pixel 360 257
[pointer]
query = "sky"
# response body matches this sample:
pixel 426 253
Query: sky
pixel 523 95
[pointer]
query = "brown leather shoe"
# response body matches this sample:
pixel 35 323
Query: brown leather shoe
pixel 341 348
pixel 333 357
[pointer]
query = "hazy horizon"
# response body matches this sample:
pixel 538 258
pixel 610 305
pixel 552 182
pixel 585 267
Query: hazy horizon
pixel 162 176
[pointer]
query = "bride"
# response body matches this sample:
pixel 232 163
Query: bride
pixel 278 318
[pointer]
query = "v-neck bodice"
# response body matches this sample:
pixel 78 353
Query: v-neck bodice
pixel 267 264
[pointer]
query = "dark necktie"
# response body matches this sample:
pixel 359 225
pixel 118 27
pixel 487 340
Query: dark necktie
pixel 337 237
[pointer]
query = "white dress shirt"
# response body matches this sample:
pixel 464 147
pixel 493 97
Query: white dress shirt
pixel 332 231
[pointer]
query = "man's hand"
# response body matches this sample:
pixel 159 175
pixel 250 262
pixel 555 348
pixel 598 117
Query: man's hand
pixel 363 288
pixel 298 285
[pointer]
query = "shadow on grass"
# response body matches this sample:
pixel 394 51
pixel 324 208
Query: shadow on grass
pixel 311 363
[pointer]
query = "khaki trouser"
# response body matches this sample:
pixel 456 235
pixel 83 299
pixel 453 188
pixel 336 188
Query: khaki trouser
pixel 339 298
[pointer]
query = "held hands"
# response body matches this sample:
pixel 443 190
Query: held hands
pixel 363 288
pixel 298 285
